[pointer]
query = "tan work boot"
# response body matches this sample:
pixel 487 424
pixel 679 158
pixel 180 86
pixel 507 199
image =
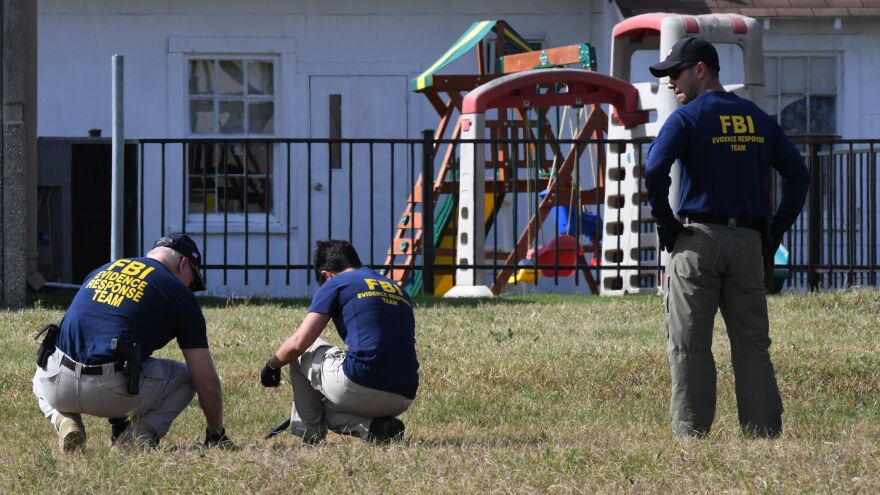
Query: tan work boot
pixel 138 435
pixel 71 432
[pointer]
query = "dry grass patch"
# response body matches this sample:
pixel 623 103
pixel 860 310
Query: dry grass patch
pixel 520 395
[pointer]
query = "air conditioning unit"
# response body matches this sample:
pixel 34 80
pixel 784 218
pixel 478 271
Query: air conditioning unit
pixel 73 213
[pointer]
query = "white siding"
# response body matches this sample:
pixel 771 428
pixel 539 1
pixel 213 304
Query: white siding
pixel 77 39
pixel 397 38
pixel 857 44
pixel 337 37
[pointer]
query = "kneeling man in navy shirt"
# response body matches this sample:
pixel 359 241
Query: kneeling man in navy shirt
pixel 359 391
pixel 138 304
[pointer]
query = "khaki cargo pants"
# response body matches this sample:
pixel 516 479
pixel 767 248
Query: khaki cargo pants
pixel 719 266
pixel 323 396
pixel 166 390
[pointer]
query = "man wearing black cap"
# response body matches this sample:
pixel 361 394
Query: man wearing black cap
pixel 726 146
pixel 136 304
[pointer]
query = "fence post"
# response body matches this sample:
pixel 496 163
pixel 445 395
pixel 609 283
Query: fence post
pixel 117 175
pixel 814 227
pixel 428 212
pixel 872 215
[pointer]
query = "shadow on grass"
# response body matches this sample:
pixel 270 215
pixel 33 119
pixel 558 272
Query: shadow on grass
pixel 419 301
pixel 55 298
pixel 422 301
pixel 60 299
pixel 495 441
pixel 513 300
pixel 289 444
pixel 232 302
pixel 50 298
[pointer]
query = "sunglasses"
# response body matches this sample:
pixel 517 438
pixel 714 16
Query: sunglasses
pixel 675 72
pixel 192 270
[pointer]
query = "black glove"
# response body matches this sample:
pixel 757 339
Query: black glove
pixel 270 377
pixel 218 440
pixel 669 233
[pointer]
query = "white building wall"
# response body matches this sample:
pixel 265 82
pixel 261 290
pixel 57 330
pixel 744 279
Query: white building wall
pixel 77 39
pixel 388 38
pixel 857 44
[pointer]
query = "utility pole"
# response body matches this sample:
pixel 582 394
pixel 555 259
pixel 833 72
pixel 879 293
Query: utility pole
pixel 18 167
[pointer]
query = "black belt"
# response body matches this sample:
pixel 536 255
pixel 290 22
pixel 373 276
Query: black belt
pixel 732 222
pixel 86 369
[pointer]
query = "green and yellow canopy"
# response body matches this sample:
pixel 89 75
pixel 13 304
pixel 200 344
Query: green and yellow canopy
pixel 474 34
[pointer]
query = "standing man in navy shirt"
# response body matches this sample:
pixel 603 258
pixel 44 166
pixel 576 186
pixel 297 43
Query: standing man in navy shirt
pixel 143 303
pixel 726 146
pixel 361 390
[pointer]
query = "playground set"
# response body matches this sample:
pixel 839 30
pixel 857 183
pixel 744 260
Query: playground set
pixel 528 139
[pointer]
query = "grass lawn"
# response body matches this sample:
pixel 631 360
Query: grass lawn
pixel 519 395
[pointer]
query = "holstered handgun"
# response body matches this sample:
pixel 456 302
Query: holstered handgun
pixel 130 354
pixel 47 347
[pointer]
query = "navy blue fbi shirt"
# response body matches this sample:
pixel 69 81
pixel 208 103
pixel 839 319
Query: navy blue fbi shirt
pixel 726 145
pixel 374 317
pixel 137 299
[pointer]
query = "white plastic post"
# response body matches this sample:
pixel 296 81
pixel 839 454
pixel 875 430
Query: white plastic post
pixel 471 241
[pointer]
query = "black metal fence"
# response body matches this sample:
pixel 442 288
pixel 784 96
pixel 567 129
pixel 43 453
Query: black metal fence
pixel 258 206
pixel 833 242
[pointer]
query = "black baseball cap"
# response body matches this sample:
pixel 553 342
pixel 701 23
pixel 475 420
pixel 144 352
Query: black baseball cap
pixel 688 50
pixel 184 245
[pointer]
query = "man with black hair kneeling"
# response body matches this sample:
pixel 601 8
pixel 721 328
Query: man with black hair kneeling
pixel 361 390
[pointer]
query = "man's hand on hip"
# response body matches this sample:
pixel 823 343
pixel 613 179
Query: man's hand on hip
pixel 669 233
pixel 769 245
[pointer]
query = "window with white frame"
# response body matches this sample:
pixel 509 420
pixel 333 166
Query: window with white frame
pixel 801 92
pixel 230 97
